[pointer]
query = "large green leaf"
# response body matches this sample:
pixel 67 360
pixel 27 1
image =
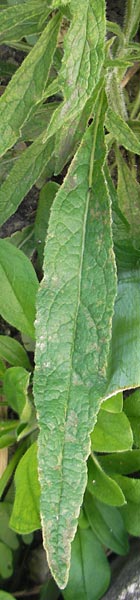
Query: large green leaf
pixel 27 86
pixel 82 62
pixel 107 524
pixel 74 314
pixel 19 286
pixel 25 514
pixel 21 20
pixel 24 174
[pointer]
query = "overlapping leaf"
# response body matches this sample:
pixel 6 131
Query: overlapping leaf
pixel 21 20
pixel 74 313
pixel 27 86
pixel 82 62
pixel 24 174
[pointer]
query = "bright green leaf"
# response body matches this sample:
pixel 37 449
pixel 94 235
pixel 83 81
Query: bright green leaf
pixel 18 289
pixel 25 514
pixel 15 386
pixel 102 486
pixel 13 352
pixel 107 524
pixel 74 312
pixel 112 433
pixel 114 404
pixel 27 86
pixel 89 571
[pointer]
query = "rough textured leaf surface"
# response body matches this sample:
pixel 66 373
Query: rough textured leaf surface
pixel 74 315
pixel 27 86
pixel 83 59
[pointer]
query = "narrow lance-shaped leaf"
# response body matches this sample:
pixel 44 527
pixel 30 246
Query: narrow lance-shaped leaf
pixel 27 86
pixel 82 62
pixel 74 314
pixel 21 20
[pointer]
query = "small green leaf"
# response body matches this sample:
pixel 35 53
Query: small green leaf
pixel 89 571
pixel 27 495
pixel 13 352
pixel 123 463
pixel 114 404
pixel 102 486
pixel 19 288
pixel 8 439
pixel 23 175
pixel 107 524
pixel 122 132
pixel 27 86
pixel 112 433
pixel 15 386
pixel 46 198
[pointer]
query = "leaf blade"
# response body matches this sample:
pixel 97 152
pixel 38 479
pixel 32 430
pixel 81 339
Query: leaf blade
pixel 59 337
pixel 27 86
